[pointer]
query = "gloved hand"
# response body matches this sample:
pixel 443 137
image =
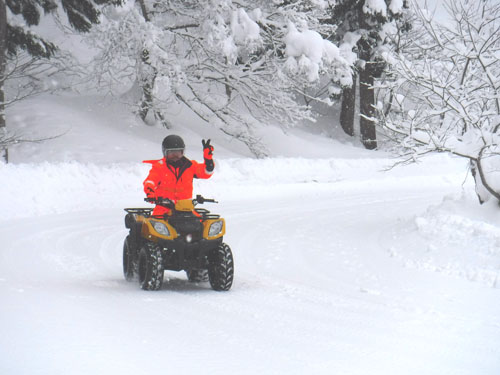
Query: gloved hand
pixel 208 149
pixel 150 193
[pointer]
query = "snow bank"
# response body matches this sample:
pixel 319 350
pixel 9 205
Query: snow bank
pixel 458 237
pixel 48 188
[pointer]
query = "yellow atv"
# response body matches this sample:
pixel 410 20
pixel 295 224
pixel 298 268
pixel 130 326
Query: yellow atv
pixel 188 238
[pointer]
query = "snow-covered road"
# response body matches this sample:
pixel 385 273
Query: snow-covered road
pixel 322 286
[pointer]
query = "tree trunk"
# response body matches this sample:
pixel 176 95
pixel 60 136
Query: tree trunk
pixel 348 107
pixel 144 10
pixel 367 109
pixel 484 190
pixel 146 101
pixel 147 81
pixel 3 63
pixel 366 92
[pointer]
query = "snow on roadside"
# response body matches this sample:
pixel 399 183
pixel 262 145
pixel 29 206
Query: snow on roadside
pixel 458 237
pixel 53 188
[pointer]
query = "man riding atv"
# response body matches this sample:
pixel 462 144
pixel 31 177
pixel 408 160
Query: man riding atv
pixel 176 235
pixel 172 176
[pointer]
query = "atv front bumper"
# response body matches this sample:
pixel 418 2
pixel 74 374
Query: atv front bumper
pixel 181 255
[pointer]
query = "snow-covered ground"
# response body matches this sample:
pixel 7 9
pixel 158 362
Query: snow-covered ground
pixel 340 267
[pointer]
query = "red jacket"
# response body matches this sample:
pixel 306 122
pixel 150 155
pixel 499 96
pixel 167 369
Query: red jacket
pixel 171 182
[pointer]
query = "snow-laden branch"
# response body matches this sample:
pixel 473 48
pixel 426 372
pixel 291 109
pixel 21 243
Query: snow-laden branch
pixel 243 62
pixel 447 85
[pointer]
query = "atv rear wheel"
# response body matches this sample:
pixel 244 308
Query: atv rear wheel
pixel 129 261
pixel 150 267
pixel 221 268
pixel 196 276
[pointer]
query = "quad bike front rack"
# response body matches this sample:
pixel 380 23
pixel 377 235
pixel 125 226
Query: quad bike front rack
pixel 139 211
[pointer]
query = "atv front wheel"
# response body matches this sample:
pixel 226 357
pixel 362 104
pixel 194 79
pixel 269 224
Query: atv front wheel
pixel 196 276
pixel 129 262
pixel 150 267
pixel 221 268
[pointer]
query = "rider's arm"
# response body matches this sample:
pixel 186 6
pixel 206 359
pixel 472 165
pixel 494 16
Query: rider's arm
pixel 201 170
pixel 151 182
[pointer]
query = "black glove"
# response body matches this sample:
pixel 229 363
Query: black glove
pixel 150 193
pixel 208 150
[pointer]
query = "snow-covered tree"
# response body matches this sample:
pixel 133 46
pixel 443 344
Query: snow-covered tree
pixel 448 90
pixel 22 47
pixel 233 63
pixel 363 24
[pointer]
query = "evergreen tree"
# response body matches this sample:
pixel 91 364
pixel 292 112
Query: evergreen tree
pixel 81 14
pixel 364 21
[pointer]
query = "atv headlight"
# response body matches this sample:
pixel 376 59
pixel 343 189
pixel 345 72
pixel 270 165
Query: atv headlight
pixel 161 228
pixel 215 228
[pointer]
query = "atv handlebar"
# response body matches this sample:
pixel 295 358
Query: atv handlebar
pixel 161 201
pixel 171 204
pixel 199 199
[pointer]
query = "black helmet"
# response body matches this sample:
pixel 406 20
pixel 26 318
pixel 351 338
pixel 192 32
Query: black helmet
pixel 172 142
